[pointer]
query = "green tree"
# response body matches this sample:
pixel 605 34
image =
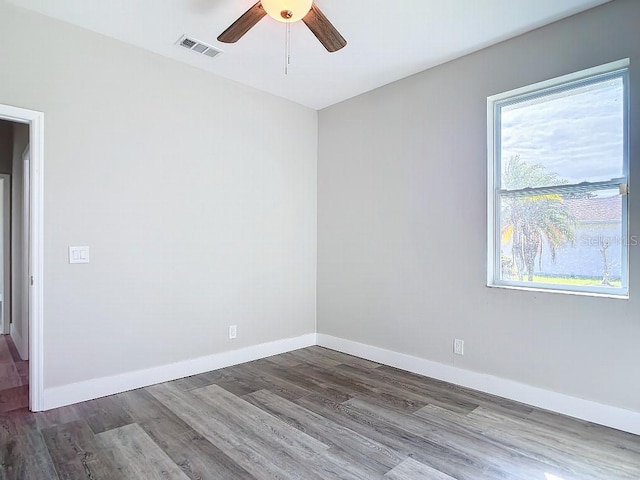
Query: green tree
pixel 528 221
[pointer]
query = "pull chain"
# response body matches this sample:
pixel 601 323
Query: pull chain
pixel 287 48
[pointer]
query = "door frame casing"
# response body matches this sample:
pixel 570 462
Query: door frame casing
pixel 35 120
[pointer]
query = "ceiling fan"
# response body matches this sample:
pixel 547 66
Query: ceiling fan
pixel 287 11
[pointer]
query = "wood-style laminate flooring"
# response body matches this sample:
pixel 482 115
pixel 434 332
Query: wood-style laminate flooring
pixel 14 377
pixel 310 414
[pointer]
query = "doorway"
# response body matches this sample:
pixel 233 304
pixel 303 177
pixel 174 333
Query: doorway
pixel 5 247
pixel 26 279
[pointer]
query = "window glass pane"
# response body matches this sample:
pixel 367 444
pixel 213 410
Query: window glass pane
pixel 571 239
pixel 567 136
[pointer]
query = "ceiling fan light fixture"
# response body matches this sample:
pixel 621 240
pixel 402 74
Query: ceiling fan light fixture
pixel 287 11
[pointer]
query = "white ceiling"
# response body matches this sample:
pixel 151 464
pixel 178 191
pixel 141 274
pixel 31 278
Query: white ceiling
pixel 387 39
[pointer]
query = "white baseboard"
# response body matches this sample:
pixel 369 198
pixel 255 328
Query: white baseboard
pixel 101 387
pixel 621 419
pixel 22 345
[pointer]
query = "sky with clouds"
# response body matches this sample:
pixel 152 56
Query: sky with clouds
pixel 577 134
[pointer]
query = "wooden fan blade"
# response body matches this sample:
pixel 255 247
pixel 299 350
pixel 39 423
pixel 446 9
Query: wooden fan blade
pixel 324 31
pixel 243 24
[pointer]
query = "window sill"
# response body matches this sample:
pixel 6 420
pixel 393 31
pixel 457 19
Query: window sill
pixel 616 296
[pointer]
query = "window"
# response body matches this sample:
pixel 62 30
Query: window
pixel 557 186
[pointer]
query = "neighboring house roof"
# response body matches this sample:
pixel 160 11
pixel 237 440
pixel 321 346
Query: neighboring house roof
pixel 605 209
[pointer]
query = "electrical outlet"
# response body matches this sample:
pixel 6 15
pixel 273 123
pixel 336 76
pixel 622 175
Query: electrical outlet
pixel 233 332
pixel 458 346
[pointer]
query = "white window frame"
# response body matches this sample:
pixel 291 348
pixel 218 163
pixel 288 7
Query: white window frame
pixel 617 69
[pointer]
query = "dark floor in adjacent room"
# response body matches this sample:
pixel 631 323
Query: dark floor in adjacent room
pixel 310 414
pixel 14 377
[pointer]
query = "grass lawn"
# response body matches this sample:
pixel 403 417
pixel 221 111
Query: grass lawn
pixel 596 282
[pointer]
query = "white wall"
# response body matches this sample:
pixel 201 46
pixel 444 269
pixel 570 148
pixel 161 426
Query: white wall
pixel 197 213
pixel 402 222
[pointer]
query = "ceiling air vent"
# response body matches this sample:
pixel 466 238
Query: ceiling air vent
pixel 198 46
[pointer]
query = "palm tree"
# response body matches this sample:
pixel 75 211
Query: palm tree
pixel 529 220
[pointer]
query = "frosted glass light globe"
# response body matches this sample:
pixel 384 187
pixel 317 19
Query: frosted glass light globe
pixel 294 9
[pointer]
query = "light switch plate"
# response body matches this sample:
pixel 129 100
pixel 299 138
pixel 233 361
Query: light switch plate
pixel 78 254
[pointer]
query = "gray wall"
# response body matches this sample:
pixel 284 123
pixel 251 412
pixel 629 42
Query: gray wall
pixel 402 222
pixel 198 215
pixel 6 153
pixel 6 146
